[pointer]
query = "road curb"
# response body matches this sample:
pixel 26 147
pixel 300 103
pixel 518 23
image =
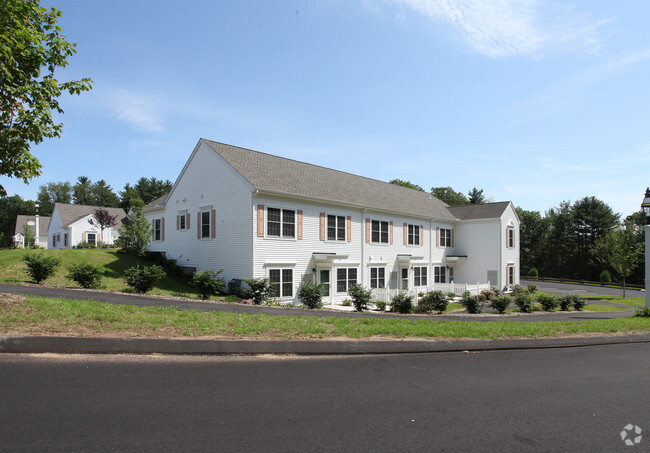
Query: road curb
pixel 84 345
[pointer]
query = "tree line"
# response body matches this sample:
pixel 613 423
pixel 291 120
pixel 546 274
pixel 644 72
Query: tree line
pixel 580 240
pixel 83 192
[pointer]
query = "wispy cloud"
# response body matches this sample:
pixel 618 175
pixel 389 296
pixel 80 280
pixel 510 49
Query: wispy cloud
pixel 141 110
pixel 559 97
pixel 504 28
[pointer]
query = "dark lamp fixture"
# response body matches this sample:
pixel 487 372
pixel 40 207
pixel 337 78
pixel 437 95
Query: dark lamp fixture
pixel 646 206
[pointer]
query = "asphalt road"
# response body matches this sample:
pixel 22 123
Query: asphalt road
pixel 533 400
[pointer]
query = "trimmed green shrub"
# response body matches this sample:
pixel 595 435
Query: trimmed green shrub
pixel 41 266
pixel 208 283
pixel 235 287
pixel 524 301
pixel 605 277
pixel 360 297
pixel 471 303
pixel 644 312
pixel 86 275
pixel 578 304
pixel 401 302
pixel 381 305
pixel 451 295
pixel 85 245
pixel 500 303
pixel 259 289
pixel 231 298
pixel 311 294
pixel 435 300
pixel 144 278
pixel 518 289
pixel 565 302
pixel 549 302
pixel 533 272
pixel 532 288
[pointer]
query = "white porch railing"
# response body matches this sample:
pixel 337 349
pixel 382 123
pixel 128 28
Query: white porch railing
pixel 385 294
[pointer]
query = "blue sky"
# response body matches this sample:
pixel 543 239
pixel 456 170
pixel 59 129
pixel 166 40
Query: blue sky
pixel 534 101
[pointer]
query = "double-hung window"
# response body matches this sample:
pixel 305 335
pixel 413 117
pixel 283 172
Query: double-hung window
pixel 445 237
pixel 281 223
pixel 379 231
pixel 439 274
pixel 205 224
pixel 377 277
pixel 420 276
pixel 157 230
pixel 345 279
pixel 281 282
pixel 510 237
pixel 335 228
pixel 414 235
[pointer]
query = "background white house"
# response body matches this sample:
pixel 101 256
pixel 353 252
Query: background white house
pixel 257 215
pixel 72 224
pixel 31 222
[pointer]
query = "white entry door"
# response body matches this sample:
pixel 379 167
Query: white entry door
pixel 324 279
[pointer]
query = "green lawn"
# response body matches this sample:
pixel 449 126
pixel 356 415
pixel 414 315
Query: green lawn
pixel 40 316
pixel 634 301
pixel 12 269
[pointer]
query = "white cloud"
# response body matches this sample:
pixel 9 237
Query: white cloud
pixel 503 28
pixel 138 109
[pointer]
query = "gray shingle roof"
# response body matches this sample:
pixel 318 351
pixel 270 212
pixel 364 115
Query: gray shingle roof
pixel 157 202
pixel 70 213
pixel 479 211
pixel 21 221
pixel 267 172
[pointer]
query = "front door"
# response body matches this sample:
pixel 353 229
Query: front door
pixel 404 281
pixel 324 279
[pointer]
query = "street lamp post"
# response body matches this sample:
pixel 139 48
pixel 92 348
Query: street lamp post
pixel 646 211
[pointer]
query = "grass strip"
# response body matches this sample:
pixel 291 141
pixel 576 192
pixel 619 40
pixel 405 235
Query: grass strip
pixel 40 316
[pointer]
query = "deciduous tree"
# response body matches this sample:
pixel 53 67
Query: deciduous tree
pixel 449 196
pixel 32 47
pixel 408 184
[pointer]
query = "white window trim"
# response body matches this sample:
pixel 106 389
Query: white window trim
pixel 347 278
pixel 387 222
pixel 510 230
pixel 158 228
pixel 281 236
pixel 345 228
pixel 281 296
pixel 426 269
pixel 408 235
pixel 441 245
pixel 185 215
pixel 209 212
pixel 383 268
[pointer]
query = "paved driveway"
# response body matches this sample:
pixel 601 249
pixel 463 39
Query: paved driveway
pixel 563 289
pixel 186 304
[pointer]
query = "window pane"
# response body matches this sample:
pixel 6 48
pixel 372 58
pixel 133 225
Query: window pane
pixel 331 227
pixel 182 222
pixel 273 222
pixel 384 232
pixel 375 231
pixel 381 281
pixel 341 276
pixel 423 276
pixel 274 277
pixel 352 277
pixel 340 232
pixel 288 223
pixel 287 283
pixel 205 224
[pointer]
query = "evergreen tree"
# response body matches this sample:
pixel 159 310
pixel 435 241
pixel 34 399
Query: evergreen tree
pixel 53 192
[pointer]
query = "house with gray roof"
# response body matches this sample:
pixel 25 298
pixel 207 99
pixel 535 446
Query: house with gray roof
pixel 72 224
pixel 32 223
pixel 254 214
